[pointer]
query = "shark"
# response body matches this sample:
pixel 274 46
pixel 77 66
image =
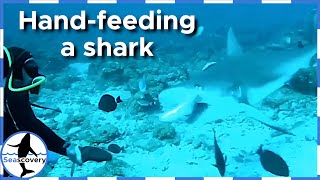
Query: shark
pixel 241 76
pixel 253 74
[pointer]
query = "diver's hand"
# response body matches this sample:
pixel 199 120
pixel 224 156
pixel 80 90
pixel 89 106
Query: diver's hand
pixel 80 155
pixel 74 153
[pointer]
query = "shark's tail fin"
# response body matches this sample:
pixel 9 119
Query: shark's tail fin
pixel 25 172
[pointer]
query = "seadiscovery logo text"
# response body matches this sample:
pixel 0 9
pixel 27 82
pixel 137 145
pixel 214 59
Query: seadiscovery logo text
pixel 24 160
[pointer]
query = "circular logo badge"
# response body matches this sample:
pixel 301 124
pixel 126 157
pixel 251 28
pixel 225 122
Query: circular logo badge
pixel 24 154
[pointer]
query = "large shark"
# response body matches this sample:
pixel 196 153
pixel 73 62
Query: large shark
pixel 256 73
pixel 253 75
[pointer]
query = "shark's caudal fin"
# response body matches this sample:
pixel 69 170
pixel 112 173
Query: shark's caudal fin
pixel 233 46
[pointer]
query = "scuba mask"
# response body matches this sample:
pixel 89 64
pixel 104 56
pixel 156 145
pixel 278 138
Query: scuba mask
pixel 31 70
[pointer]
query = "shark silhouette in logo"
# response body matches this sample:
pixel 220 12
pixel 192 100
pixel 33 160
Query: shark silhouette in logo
pixel 23 149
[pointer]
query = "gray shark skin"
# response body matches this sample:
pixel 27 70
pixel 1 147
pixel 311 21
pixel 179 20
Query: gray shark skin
pixel 257 73
pixel 23 149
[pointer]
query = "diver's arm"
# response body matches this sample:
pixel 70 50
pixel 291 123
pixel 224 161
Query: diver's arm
pixel 26 120
pixel 52 140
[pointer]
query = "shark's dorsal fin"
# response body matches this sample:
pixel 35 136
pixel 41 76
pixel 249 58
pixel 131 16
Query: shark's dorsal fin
pixel 233 47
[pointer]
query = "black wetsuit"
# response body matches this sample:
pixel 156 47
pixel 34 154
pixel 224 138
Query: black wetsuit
pixel 19 116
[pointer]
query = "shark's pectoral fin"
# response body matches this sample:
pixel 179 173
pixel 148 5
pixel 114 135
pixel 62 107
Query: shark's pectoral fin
pixel 225 159
pixel 257 94
pixel 32 151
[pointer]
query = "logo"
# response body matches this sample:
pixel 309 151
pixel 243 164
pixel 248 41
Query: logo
pixel 24 154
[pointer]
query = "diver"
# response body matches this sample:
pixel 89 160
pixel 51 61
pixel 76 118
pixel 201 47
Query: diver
pixel 21 78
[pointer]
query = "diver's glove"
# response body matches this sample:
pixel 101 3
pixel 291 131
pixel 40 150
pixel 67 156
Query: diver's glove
pixel 80 155
pixel 74 153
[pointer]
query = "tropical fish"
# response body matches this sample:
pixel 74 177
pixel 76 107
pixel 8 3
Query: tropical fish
pixel 273 163
pixel 220 160
pixel 209 64
pixel 199 31
pixel 108 103
pixel 114 148
pixel 143 84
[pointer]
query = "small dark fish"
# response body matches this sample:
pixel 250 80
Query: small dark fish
pixel 300 45
pixel 108 103
pixel 220 160
pixel 273 163
pixel 114 148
